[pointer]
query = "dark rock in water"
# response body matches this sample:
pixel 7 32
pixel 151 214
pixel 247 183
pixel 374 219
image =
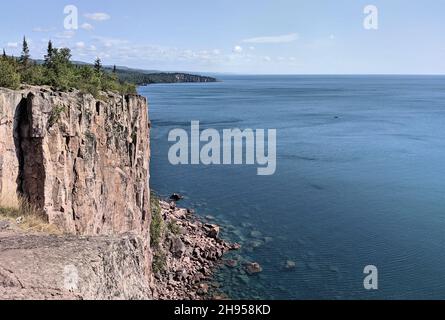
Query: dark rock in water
pixel 231 263
pixel 213 230
pixel 235 247
pixel 176 197
pixel 290 265
pixel 177 247
pixel 253 268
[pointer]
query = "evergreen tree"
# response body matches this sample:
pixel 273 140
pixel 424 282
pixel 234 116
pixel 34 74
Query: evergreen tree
pixel 98 65
pixel 49 55
pixel 25 57
pixel 59 72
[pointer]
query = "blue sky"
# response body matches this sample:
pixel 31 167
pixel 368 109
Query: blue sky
pixel 238 36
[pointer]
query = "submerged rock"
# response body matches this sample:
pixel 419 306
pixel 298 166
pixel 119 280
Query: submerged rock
pixel 231 263
pixel 290 265
pixel 176 197
pixel 253 268
pixel 256 234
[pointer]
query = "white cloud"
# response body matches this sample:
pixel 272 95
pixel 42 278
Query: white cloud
pixel 12 45
pixel 40 29
pixel 80 44
pixel 267 58
pixel 110 42
pixel 68 34
pixel 98 16
pixel 237 49
pixel 87 26
pixel 286 38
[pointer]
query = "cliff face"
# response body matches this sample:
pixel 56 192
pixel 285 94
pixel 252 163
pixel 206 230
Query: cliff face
pixel 83 161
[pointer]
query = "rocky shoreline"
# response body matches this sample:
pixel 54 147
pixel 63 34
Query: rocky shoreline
pixel 190 252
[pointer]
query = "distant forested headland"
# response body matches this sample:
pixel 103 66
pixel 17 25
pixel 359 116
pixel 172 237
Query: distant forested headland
pixel 148 77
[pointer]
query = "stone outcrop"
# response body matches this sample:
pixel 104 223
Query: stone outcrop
pixel 83 161
pixel 43 267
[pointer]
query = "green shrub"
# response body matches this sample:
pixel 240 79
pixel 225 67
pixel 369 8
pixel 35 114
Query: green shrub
pixel 55 115
pixel 174 228
pixel 9 77
pixel 157 222
pixel 159 262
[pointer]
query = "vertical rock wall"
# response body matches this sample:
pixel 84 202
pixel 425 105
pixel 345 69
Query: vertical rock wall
pixel 10 104
pixel 83 161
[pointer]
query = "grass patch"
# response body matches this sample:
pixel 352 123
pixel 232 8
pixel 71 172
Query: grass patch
pixel 157 222
pixel 159 262
pixel 174 228
pixel 31 218
pixel 55 115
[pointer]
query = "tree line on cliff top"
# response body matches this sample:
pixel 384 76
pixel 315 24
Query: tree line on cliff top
pixel 59 72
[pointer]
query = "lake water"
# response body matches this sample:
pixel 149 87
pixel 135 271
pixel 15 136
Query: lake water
pixel 360 181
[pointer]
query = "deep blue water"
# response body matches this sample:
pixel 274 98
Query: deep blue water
pixel 360 181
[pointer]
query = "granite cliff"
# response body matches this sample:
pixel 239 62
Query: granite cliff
pixel 83 162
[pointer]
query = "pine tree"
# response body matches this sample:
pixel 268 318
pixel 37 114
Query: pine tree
pixel 98 65
pixel 49 55
pixel 114 69
pixel 25 57
pixel 4 55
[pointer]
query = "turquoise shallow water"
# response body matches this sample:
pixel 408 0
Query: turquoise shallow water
pixel 360 181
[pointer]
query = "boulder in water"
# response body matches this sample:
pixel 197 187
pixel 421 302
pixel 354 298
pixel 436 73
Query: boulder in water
pixel 253 268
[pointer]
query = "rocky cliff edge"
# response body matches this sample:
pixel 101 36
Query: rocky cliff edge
pixel 83 162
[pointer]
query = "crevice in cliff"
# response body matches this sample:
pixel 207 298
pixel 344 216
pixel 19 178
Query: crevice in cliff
pixel 29 151
pixel 20 124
